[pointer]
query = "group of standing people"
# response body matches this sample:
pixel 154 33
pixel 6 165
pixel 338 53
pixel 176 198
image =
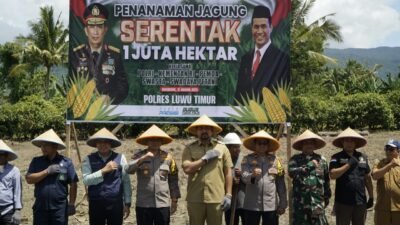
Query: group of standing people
pixel 221 180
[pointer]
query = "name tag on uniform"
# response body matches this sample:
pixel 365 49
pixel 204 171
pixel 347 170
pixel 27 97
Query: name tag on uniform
pixel 273 171
pixel 343 161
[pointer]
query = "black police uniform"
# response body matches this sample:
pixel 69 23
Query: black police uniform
pixel 106 68
pixel 51 193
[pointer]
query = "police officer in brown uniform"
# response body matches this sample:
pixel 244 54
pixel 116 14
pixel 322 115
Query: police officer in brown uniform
pixel 157 179
pixel 100 61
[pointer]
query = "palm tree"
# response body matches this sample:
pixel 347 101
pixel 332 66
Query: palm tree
pixel 47 44
pixel 322 29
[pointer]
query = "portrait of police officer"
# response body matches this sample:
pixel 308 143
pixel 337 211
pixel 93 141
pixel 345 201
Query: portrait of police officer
pixel 99 60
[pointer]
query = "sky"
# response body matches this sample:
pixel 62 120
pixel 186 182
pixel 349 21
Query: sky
pixel 364 23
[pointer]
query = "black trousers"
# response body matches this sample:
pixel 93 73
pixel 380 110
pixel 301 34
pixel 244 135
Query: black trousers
pixel 51 216
pixel 6 219
pixel 239 213
pixel 254 217
pixel 152 216
pixel 102 212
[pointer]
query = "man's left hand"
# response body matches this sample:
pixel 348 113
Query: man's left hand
pixel 174 206
pixel 226 203
pixel 370 203
pixel 127 211
pixel 16 217
pixel 280 211
pixel 71 210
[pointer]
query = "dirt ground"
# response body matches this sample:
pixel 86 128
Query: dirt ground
pixel 27 151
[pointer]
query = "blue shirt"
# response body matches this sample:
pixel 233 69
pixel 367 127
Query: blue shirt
pixel 52 191
pixel 10 189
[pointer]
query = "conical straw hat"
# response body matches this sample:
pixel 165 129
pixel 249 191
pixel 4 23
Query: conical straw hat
pixel 204 120
pixel 349 133
pixel 153 132
pixel 49 136
pixel 103 134
pixel 272 146
pixel 308 135
pixel 4 148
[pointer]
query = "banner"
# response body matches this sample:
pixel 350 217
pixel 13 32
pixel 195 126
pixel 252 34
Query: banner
pixel 157 60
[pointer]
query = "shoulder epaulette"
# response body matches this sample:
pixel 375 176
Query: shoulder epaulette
pixel 79 47
pixel 114 49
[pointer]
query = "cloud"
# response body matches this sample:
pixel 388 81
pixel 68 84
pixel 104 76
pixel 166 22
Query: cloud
pixel 15 17
pixel 364 24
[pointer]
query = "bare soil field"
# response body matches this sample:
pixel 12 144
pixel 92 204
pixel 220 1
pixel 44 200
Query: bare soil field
pixel 27 151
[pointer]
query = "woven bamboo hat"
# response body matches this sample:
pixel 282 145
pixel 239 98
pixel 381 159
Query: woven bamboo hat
pixel 103 134
pixel 153 132
pixel 5 149
pixel 273 144
pixel 51 137
pixel 204 120
pixel 308 135
pixel 349 133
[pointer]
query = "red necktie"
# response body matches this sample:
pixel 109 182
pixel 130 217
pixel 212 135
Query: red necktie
pixel 256 64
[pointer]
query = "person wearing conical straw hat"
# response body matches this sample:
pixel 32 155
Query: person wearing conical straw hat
pixel 351 171
pixel 263 174
pixel 10 187
pixel 51 174
pixel 109 186
pixel 311 184
pixel 209 166
pixel 387 172
pixel 233 143
pixel 157 179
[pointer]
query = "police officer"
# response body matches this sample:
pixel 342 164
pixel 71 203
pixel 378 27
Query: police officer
pixel 351 171
pixel 10 187
pixel 109 188
pixel 263 174
pixel 100 61
pixel 157 179
pixel 51 174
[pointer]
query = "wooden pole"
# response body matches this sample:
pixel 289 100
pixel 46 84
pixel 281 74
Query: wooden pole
pixel 280 131
pixel 240 130
pixel 76 143
pixel 68 139
pixel 117 128
pixel 288 156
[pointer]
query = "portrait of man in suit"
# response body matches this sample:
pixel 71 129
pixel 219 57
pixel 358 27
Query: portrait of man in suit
pixel 265 65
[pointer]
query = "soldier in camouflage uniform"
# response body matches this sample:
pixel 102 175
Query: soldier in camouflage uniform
pixel 102 62
pixel 157 179
pixel 310 174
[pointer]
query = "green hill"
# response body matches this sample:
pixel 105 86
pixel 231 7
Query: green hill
pixel 388 57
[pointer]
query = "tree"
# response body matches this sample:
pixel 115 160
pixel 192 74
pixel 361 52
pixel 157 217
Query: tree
pixel 308 40
pixel 47 44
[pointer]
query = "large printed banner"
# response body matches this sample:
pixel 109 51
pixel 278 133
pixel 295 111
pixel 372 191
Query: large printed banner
pixel 158 60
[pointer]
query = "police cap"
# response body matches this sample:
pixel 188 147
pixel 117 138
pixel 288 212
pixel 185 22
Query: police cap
pixel 95 14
